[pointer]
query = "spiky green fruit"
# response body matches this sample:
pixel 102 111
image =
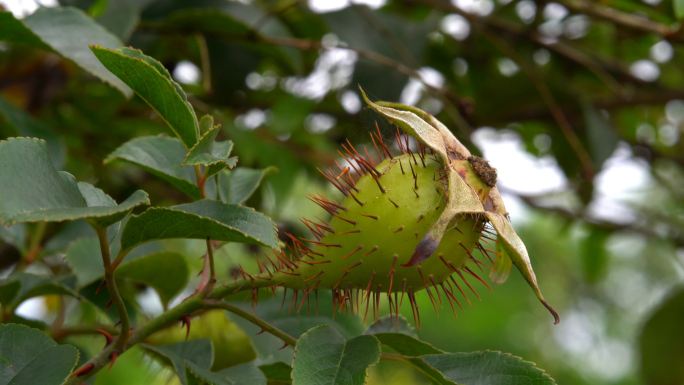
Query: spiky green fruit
pixel 374 231
pixel 407 223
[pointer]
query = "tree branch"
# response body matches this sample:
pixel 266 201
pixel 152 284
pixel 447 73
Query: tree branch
pixel 628 20
pixel 113 289
pixel 265 326
pixel 168 318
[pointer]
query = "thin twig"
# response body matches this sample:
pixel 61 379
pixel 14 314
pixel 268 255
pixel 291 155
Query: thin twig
pixel 628 20
pixel 113 290
pixel 166 319
pixel 551 103
pixel 253 318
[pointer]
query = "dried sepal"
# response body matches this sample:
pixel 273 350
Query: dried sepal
pixel 464 196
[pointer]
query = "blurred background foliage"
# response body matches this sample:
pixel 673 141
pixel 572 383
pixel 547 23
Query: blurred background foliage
pixel 578 103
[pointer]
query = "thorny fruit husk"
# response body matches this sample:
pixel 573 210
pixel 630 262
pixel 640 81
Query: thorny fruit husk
pixel 408 221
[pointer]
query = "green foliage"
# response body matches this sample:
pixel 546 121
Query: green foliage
pixel 323 356
pixel 161 156
pixel 179 217
pixel 63 29
pixel 27 356
pixel 200 220
pixel 34 191
pixel 153 83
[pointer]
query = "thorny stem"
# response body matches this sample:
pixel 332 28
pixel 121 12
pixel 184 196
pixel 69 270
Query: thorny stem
pixel 63 332
pixel 265 326
pixel 164 320
pixel 113 289
pixel 206 285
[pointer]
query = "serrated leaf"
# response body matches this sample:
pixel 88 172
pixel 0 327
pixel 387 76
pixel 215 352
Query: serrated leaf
pixel 21 286
pixel 277 373
pixel 400 336
pixel 153 83
pixel 83 256
pixel 165 271
pixel 26 125
pixel 209 153
pixel 199 353
pixel 324 357
pixel 68 31
pixel 245 374
pixel 14 30
pixel 239 184
pixel 487 368
pixel 200 220
pixel 31 190
pixel 161 156
pixel 122 16
pixel 28 357
pixel 271 310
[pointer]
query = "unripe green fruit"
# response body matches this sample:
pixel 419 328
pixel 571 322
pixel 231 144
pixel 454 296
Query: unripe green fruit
pixel 407 223
pixel 373 233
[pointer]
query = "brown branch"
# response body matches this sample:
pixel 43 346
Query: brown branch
pixel 554 108
pixel 628 20
pixel 445 96
pixel 646 231
pixel 600 68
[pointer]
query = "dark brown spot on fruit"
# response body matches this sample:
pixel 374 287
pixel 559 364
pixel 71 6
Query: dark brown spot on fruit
pixel 482 168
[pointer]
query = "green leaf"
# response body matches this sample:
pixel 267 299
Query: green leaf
pixel 487 368
pixel 678 8
pixel 33 191
pixel 166 271
pixel 161 156
pixel 14 30
pixel 661 342
pixel 210 153
pixel 21 286
pixel 153 83
pixel 199 353
pixel 245 374
pixel 122 16
pixel 602 138
pixel 324 357
pixel 69 32
pixel 277 373
pixel 26 125
pixel 83 256
pixel 401 337
pixel 29 357
pixel 200 220
pixel 239 184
